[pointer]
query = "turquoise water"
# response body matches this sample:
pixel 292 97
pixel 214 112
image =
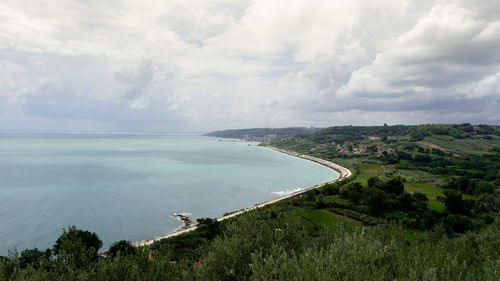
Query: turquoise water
pixel 127 186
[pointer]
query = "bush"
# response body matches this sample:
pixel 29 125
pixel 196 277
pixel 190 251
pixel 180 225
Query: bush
pixel 488 203
pixel 376 200
pixel 77 247
pixel 33 257
pixel 208 228
pixel 331 189
pixel 122 248
pixel 454 202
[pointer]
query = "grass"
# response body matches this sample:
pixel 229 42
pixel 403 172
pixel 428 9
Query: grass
pixel 420 176
pixel 427 189
pixel 432 192
pixel 367 170
pixel 335 199
pixel 410 234
pixel 321 218
pixel 362 179
pixel 468 196
pixel 437 206
pixel 347 213
pixel 370 169
pixel 324 219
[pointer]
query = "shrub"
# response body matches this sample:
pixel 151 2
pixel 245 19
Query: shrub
pixel 122 248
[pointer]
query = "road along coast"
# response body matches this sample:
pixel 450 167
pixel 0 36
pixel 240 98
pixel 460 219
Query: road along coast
pixel 343 173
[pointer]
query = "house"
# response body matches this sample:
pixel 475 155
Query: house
pixel 362 148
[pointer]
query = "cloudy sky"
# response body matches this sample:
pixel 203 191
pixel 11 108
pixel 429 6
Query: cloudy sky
pixel 129 65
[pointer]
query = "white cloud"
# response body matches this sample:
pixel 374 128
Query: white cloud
pixel 222 63
pixel 429 67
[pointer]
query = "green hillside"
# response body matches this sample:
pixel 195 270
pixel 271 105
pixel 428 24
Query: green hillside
pixel 263 134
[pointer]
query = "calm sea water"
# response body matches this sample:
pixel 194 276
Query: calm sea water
pixel 127 186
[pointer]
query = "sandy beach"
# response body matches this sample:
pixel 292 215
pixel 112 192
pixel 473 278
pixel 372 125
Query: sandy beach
pixel 343 173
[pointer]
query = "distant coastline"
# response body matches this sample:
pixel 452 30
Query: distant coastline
pixel 342 171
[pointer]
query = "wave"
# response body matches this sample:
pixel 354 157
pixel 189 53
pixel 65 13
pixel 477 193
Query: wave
pixel 286 192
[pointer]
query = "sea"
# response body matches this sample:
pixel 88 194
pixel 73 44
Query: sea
pixel 127 186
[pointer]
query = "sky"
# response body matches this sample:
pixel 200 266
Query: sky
pixel 185 65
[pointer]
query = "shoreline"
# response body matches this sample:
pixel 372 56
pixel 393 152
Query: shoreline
pixel 342 171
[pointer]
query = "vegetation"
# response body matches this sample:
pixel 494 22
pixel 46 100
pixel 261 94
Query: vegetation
pixel 263 134
pixel 416 209
pixel 121 248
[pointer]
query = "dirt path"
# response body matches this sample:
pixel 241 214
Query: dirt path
pixel 343 217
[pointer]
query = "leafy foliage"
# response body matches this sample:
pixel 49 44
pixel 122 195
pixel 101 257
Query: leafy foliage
pixel 122 248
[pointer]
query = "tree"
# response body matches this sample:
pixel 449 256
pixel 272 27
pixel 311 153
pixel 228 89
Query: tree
pixel 420 197
pixel 484 187
pixel 420 203
pixel 208 228
pixel 422 158
pixel 488 203
pixel 354 196
pixel 348 188
pixel 331 189
pixel 455 203
pixel 458 223
pixel 404 155
pixel 76 247
pixel 33 257
pixel 395 186
pixel 373 181
pixel 375 199
pixel 406 202
pixel 122 247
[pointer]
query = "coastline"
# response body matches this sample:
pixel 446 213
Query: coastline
pixel 343 173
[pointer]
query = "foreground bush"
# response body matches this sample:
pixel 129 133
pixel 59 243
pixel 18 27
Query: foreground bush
pixel 274 244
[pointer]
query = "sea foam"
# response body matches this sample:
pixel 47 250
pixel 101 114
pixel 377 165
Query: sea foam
pixel 287 192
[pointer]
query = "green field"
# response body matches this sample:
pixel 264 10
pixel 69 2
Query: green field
pixel 347 213
pixel 362 179
pixel 427 189
pixel 420 176
pixel 370 169
pixel 367 170
pixel 336 199
pixel 411 235
pixel 321 218
pixel 436 205
pixel 430 190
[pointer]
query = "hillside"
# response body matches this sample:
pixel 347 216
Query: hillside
pixel 431 158
pixel 263 134
pixel 423 204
